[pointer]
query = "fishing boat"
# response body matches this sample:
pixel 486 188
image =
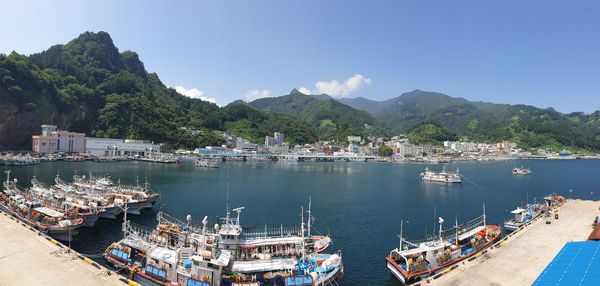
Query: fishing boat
pixel 177 253
pixel 522 216
pixel 521 171
pixel 206 163
pixel 69 203
pixel 137 197
pixel 33 213
pixel 443 176
pixel 107 208
pixel 416 260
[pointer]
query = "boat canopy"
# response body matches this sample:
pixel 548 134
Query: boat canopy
pixel 272 241
pixel 471 232
pixel 263 265
pixel 49 212
pixel 223 259
pixel 164 254
pixel 518 211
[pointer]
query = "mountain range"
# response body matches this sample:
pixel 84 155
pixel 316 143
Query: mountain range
pixel 529 126
pixel 88 85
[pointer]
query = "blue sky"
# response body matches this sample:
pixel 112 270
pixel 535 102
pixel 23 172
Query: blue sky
pixel 543 53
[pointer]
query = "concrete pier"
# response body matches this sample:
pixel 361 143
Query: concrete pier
pixel 520 258
pixel 27 258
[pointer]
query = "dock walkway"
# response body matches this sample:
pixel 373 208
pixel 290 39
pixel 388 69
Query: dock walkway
pixel 521 258
pixel 27 258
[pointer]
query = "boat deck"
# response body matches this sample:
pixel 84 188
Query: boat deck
pixel 29 259
pixel 523 256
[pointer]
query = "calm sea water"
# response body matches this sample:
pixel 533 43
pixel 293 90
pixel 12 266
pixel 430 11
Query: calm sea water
pixel 359 204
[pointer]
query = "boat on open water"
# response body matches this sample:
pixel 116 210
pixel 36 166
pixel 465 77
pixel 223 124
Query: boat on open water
pixel 443 176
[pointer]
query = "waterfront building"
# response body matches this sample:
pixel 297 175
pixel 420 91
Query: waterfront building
pixel 53 140
pixel 119 147
pixel 245 145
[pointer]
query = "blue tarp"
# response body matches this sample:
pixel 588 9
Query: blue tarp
pixel 301 280
pixel 577 263
pixel 192 282
pixel 120 254
pixel 155 271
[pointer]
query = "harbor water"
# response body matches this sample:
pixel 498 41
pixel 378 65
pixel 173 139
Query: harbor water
pixel 359 204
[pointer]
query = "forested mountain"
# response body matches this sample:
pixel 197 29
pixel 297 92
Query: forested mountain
pixel 88 86
pixel 529 126
pixel 332 118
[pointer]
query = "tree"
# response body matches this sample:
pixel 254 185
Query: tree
pixel 385 151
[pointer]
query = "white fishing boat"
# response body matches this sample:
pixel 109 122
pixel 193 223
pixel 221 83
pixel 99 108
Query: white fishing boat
pixel 413 261
pixel 443 176
pixel 223 255
pixel 522 216
pixel 32 212
pixel 206 163
pixel 521 171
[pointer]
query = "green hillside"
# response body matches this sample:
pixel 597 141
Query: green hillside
pixel 529 126
pixel 88 86
pixel 333 120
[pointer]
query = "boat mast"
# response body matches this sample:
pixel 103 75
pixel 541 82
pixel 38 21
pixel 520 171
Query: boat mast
pixel 302 230
pixel 309 216
pixel 7 178
pixel 125 221
pixel 441 221
pixel 400 236
pixel 484 213
pixel 456 226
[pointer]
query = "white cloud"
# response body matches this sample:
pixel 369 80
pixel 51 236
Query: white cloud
pixel 194 93
pixel 335 88
pixel 255 94
pixel 305 90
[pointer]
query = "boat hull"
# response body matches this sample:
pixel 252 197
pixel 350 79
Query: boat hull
pixel 135 208
pixel 58 233
pixel 110 212
pixel 90 219
pixel 151 201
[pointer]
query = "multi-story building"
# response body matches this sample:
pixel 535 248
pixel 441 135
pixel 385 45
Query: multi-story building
pixel 269 141
pixel 119 147
pixel 53 140
pixel 278 138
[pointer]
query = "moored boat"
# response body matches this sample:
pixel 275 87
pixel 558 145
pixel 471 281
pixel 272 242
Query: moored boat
pixel 32 212
pixel 522 216
pixel 416 260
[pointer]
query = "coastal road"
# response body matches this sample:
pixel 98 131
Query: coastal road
pixel 27 258
pixel 522 257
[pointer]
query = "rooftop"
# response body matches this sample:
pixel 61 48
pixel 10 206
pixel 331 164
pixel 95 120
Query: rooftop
pixel 577 263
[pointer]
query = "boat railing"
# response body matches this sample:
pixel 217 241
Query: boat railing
pixel 146 234
pixel 164 218
pixel 448 234
pixel 270 231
